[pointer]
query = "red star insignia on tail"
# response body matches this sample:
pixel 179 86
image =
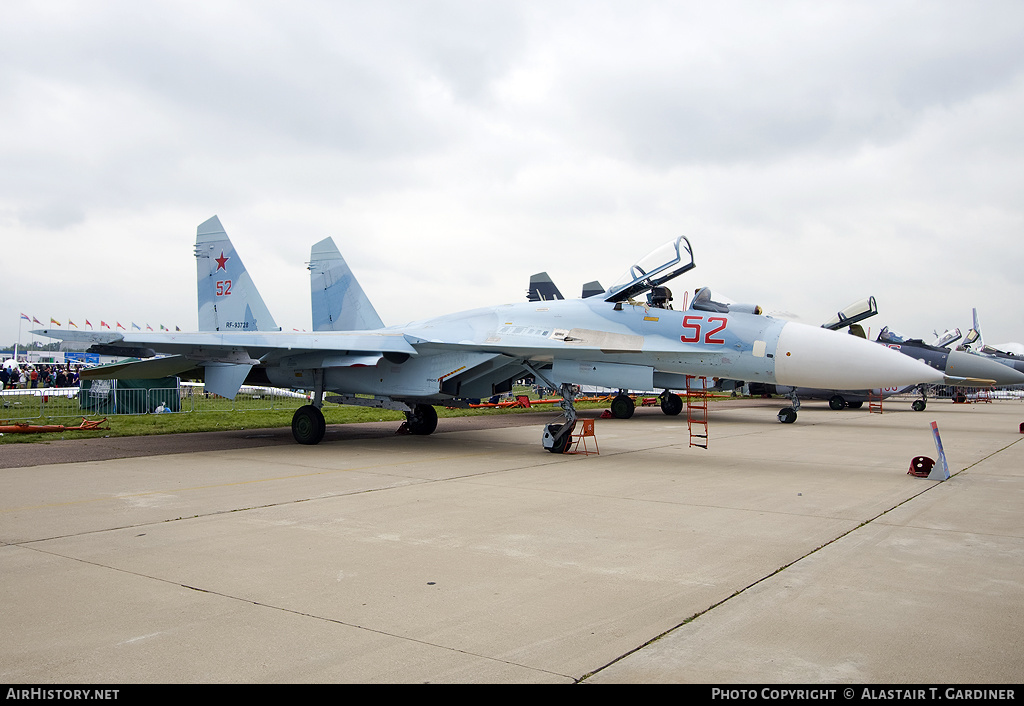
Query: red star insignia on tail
pixel 222 262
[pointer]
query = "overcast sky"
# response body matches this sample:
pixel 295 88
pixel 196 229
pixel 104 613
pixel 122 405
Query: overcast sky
pixel 813 152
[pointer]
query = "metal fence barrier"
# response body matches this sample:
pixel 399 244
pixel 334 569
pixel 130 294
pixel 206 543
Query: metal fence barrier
pixel 20 404
pixel 17 404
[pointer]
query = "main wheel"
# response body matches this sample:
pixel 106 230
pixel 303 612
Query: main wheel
pixel 671 404
pixel 919 405
pixel 308 425
pixel 836 402
pixel 422 420
pixel 787 415
pixel 623 407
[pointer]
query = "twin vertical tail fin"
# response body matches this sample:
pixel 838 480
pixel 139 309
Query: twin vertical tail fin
pixel 228 299
pixel 339 303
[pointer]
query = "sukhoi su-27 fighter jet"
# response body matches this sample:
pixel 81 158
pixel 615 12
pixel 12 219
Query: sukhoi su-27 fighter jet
pixel 613 339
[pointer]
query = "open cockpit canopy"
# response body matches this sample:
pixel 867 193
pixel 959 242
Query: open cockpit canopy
pixel 661 265
pixel 858 311
pixel 704 300
pixel 887 335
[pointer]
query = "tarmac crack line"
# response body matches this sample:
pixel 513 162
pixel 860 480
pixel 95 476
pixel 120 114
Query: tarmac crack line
pixel 215 513
pixel 292 611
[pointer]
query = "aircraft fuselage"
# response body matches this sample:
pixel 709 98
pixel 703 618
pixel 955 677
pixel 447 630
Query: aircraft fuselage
pixel 630 346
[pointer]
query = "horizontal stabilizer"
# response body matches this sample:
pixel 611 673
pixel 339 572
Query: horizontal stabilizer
pixel 168 366
pixel 339 302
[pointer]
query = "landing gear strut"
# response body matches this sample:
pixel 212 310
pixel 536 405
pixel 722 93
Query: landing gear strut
pixel 556 436
pixel 920 404
pixel 787 415
pixel 308 425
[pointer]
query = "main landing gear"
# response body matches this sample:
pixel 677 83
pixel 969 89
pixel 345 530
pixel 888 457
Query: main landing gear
pixel 671 403
pixel 422 420
pixel 556 436
pixel 623 406
pixel 308 425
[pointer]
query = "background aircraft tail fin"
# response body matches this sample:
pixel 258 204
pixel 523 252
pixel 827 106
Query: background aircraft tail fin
pixel 339 303
pixel 228 299
pixel 974 339
pixel 542 289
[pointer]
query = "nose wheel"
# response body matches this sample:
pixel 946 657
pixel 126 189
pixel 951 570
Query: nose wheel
pixel 556 436
pixel 787 415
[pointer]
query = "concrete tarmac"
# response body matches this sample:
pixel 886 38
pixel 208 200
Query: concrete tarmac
pixel 798 553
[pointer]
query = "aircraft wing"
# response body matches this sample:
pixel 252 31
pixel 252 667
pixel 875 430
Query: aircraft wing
pixel 210 345
pixel 228 357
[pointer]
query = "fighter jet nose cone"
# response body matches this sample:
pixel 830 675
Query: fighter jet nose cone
pixel 969 365
pixel 815 357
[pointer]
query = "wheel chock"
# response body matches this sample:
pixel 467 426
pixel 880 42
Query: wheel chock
pixel 921 466
pixel 1022 427
pixel 607 414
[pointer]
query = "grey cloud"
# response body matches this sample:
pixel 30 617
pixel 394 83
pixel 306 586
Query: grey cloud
pixel 748 87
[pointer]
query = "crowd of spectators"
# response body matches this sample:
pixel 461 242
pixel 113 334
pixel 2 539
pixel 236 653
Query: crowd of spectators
pixel 26 375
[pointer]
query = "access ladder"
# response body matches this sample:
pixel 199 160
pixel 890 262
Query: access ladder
pixel 874 402
pixel 697 411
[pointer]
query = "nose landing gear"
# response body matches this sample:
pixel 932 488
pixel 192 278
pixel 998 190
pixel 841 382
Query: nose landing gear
pixel 556 436
pixel 787 415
